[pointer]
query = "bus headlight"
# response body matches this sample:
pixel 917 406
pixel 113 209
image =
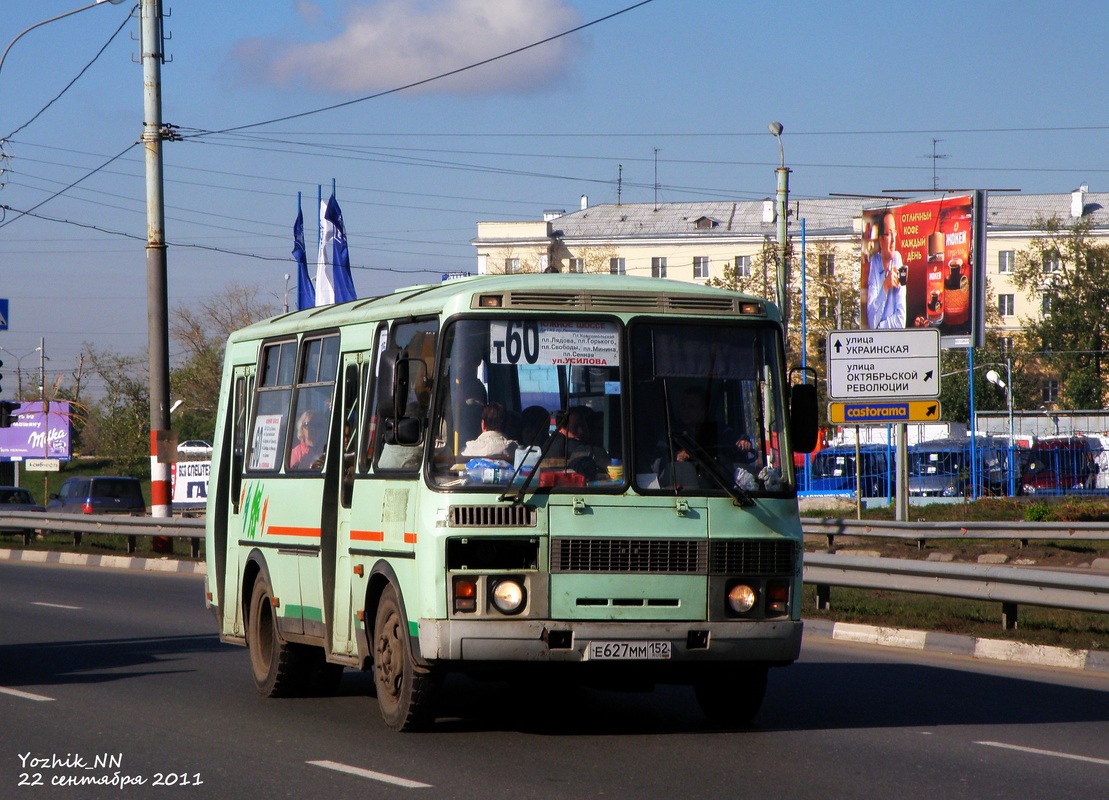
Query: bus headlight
pixel 509 596
pixel 741 598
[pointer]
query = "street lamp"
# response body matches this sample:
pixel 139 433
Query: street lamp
pixel 1007 385
pixel 783 206
pixel 19 370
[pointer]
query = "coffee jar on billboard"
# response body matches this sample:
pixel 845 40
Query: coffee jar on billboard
pixel 955 224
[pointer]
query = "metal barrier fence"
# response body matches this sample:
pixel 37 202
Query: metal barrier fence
pixel 26 523
pixel 1049 467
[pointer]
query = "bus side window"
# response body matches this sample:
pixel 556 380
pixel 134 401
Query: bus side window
pixel 352 392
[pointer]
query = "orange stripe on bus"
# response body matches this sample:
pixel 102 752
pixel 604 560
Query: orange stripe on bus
pixel 368 536
pixel 286 530
pixel 410 538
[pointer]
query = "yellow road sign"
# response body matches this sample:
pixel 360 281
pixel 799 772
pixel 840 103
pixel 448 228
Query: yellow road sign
pixel 881 413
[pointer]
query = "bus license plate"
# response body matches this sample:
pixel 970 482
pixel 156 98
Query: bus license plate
pixel 602 651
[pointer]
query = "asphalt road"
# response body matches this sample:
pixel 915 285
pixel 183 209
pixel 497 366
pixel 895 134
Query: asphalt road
pixel 124 667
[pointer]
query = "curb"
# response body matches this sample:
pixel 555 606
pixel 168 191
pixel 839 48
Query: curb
pixel 954 644
pixel 116 562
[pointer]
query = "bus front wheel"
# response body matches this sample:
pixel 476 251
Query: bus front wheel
pixel 404 690
pixel 731 696
pixel 278 667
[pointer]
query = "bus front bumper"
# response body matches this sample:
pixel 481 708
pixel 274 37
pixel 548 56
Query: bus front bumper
pixel 768 641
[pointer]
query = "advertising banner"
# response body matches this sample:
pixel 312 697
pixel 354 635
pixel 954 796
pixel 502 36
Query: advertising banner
pixel 34 434
pixel 923 267
pixel 190 482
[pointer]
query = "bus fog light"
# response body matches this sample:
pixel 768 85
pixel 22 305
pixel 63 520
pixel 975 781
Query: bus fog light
pixel 741 598
pixel 509 596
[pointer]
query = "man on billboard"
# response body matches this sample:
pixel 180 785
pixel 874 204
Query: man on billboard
pixel 882 275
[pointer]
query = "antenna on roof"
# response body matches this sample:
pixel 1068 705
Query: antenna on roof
pixel 656 179
pixel 619 182
pixel 935 158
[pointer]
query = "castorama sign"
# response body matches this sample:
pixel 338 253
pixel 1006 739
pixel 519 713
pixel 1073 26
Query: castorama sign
pixel 35 434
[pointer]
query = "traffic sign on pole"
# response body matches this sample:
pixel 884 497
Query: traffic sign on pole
pixel 871 413
pixel 3 313
pixel 883 365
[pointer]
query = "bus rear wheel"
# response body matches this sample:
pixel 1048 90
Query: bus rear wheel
pixel 405 691
pixel 731 696
pixel 278 668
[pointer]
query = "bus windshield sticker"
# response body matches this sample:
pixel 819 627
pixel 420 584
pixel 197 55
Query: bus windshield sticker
pixel 264 447
pixel 571 343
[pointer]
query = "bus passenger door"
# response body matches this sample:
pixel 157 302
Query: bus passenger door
pixel 230 501
pixel 339 586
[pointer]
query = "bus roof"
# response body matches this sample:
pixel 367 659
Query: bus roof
pixel 536 292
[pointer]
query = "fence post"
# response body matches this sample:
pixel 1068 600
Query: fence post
pixel 823 597
pixel 1009 616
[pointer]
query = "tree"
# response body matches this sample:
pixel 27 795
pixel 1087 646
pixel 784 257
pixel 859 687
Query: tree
pixel 1071 271
pixel 201 331
pixel 118 426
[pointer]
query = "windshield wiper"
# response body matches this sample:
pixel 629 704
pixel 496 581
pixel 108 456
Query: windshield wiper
pixel 708 464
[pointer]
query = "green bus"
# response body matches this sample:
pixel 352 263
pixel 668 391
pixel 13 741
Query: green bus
pixel 588 475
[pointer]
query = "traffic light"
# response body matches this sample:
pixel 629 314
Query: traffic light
pixel 6 409
pixel 1 377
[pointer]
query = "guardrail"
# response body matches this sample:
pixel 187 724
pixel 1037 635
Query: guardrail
pixel 921 532
pixel 27 522
pixel 1011 586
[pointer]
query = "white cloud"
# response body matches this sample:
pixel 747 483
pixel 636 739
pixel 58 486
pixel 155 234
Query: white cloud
pixel 383 45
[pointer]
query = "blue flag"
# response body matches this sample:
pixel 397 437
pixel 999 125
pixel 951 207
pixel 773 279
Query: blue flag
pixel 333 279
pixel 306 293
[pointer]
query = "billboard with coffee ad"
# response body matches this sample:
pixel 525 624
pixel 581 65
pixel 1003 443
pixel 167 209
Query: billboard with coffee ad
pixel 923 267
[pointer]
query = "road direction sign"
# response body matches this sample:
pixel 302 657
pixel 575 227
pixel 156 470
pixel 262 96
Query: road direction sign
pixel 3 313
pixel 868 413
pixel 883 365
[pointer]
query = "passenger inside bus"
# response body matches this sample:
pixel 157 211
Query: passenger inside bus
pixel 574 442
pixel 310 436
pixel 492 440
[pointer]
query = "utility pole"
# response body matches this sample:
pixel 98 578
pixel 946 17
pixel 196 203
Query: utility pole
pixel 782 172
pixel 157 296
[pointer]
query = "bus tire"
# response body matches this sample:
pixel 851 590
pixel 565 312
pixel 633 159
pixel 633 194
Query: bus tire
pixel 405 692
pixel 731 696
pixel 279 669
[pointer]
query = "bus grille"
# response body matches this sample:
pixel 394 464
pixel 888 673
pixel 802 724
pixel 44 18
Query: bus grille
pixel 619 301
pixel 752 557
pixel 513 516
pixel 674 556
pixel 681 556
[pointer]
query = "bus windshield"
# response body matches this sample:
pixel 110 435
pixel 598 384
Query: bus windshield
pixel 564 403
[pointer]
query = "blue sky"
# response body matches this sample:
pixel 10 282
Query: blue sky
pixel 1013 90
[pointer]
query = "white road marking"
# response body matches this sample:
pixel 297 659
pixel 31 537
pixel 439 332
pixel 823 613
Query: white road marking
pixel 26 695
pixel 57 605
pixel 374 776
pixel 1071 756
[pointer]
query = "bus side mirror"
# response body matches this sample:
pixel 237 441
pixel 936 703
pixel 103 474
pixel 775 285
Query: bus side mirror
pixel 803 417
pixel 392 378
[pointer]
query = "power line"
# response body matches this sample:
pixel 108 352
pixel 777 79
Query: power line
pixel 85 69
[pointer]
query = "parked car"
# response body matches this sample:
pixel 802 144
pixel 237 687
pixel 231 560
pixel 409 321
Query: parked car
pixel 108 494
pixel 942 467
pixel 16 498
pixel 1059 465
pixel 195 447
pixel 833 470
